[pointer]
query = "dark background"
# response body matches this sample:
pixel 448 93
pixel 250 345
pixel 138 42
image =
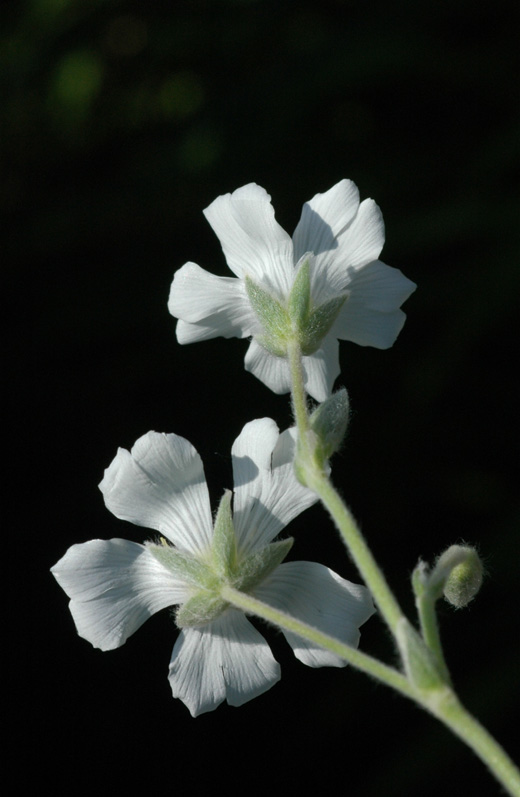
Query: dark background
pixel 121 122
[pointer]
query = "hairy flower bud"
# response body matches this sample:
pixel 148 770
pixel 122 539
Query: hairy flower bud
pixel 457 575
pixel 329 423
pixel 465 577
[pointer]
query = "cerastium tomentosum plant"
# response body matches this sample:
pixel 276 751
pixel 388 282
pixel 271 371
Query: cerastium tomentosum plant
pixel 293 298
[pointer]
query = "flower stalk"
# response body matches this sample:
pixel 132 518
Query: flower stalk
pixel 315 477
pixel 426 678
pixel 441 701
pixel 361 661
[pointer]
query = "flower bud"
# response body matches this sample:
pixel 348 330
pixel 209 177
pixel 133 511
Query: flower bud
pixel 329 423
pixel 465 576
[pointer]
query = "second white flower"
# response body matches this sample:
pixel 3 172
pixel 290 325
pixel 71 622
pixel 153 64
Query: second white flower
pixel 115 585
pixel 324 284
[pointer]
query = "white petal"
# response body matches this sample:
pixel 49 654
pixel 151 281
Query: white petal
pixel 380 287
pixel 370 316
pixel 220 303
pixel 272 371
pixel 324 218
pixel 194 333
pixel 227 659
pixel 267 493
pixel 322 369
pixel 364 238
pixel 252 241
pixel 371 328
pixel 319 597
pixel 160 484
pixel 114 586
pixel 358 245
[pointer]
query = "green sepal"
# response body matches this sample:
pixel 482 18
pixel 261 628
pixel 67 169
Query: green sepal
pixel 299 302
pixel 419 661
pixel 183 565
pixel 224 549
pixel 319 323
pixel 272 316
pixel 257 566
pixel 420 580
pixel 329 423
pixel 202 608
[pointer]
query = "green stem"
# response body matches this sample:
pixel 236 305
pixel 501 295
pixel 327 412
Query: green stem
pixel 430 630
pixel 356 658
pixel 442 703
pixel 298 395
pixel 452 713
pixel 359 550
pixel 318 480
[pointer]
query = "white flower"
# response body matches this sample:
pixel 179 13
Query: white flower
pixel 354 295
pixel 115 585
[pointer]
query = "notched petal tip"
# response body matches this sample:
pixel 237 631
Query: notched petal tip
pixel 208 305
pixel 226 660
pixel 114 586
pixel 161 485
